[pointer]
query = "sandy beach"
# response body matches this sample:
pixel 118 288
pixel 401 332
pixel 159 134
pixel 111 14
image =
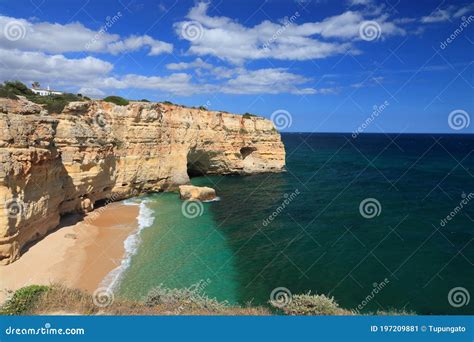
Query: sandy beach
pixel 78 255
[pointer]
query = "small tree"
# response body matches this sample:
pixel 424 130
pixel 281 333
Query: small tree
pixel 36 85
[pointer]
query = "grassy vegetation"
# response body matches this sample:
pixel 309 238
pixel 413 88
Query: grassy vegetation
pixel 11 90
pixel 249 115
pixel 56 103
pixel 192 297
pixel 174 104
pixel 57 299
pixel 313 305
pixel 23 300
pixel 167 103
pixel 119 101
pixel 53 103
pixel 6 93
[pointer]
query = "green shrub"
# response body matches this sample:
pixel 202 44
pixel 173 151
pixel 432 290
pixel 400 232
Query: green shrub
pixel 53 103
pixel 119 101
pixel 202 108
pixel 167 102
pixel 10 89
pixel 192 297
pixel 23 300
pixel 308 304
pixel 248 116
pixel 17 88
pixel 56 106
pixel 144 100
pixel 7 94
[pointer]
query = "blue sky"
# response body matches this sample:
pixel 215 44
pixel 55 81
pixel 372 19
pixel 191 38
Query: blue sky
pixel 324 64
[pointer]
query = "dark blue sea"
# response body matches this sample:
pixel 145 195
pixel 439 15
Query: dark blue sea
pixel 348 216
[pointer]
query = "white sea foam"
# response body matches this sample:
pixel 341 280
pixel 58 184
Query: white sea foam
pixel 145 219
pixel 216 199
pixel 131 201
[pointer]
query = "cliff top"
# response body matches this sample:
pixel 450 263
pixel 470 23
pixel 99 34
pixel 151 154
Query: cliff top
pixel 16 97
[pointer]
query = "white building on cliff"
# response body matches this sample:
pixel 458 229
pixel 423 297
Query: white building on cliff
pixel 45 92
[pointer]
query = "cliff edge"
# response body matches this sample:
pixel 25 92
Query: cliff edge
pixel 96 151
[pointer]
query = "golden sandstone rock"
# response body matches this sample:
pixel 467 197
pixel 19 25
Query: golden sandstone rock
pixel 96 151
pixel 201 193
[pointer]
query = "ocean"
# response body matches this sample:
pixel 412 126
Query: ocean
pixel 379 222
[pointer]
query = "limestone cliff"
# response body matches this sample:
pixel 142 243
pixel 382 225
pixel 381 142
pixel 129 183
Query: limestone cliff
pixel 94 151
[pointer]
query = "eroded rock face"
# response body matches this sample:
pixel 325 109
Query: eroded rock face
pixel 201 193
pixel 94 151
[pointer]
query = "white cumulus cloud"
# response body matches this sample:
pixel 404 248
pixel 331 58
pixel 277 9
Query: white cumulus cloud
pixel 72 37
pixel 289 39
pixel 38 66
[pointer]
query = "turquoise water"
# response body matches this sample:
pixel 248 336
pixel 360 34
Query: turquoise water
pixel 251 241
pixel 178 252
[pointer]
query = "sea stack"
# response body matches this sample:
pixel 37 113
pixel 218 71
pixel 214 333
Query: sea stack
pixel 200 193
pixel 95 152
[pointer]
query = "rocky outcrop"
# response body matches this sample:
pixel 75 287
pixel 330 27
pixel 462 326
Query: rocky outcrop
pixel 96 151
pixel 201 193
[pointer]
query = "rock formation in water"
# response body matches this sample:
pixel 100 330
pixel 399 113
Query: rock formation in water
pixel 96 152
pixel 200 193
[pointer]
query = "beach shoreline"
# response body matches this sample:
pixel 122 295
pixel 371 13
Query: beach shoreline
pixel 80 254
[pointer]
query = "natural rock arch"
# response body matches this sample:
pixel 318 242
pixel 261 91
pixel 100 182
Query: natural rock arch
pixel 198 163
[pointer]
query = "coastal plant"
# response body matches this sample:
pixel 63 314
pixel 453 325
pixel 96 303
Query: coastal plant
pixel 53 103
pixel 16 88
pixel 118 100
pixel 60 298
pixel 10 90
pixel 192 297
pixel 23 300
pixel 4 93
pixel 308 304
pixel 249 115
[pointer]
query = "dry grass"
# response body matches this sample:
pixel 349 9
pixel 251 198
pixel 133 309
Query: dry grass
pixel 62 300
pixel 311 305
